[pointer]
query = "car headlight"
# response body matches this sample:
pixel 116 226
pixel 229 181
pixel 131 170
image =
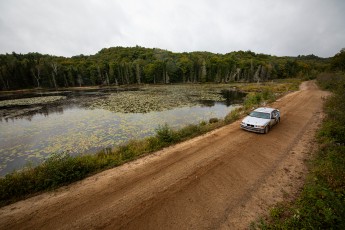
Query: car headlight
pixel 260 126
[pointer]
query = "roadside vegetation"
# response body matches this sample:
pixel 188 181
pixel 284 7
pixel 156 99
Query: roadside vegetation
pixel 62 168
pixel 321 204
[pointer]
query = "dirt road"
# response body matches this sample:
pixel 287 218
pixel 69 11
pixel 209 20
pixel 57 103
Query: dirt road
pixel 221 180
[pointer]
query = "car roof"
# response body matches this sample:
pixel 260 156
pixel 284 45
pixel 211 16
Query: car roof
pixel 264 110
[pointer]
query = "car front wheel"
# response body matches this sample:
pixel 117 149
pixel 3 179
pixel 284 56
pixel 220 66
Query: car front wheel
pixel 267 129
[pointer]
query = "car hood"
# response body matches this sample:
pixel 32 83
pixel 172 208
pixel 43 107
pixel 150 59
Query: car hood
pixel 255 121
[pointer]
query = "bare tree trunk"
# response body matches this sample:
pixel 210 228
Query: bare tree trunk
pixel 37 76
pixel 251 70
pixel 167 78
pixel 263 73
pixel 54 73
pixel 257 74
pixel 107 78
pixel 54 81
pixel 203 72
pixel 237 74
pixel 80 80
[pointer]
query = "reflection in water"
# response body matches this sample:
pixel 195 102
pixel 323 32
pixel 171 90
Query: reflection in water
pixel 233 96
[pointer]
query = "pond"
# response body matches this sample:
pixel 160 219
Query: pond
pixel 78 125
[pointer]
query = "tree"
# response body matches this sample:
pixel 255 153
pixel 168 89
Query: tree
pixel 185 65
pixel 54 67
pixel 338 61
pixel 203 71
pixel 137 71
pixel 112 77
pixel 120 65
pixel 36 71
pixel 4 80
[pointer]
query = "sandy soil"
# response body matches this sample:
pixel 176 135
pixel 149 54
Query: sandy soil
pixel 222 180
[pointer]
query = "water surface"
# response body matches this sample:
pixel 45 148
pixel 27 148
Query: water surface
pixel 78 130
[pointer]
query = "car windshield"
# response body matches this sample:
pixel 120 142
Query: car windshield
pixel 260 115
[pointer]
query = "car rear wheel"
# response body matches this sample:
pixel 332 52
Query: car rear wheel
pixel 267 129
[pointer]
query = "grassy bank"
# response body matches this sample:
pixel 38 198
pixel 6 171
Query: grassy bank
pixel 62 169
pixel 321 204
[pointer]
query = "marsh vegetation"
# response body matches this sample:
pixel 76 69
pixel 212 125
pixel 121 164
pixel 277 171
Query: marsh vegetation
pixel 84 122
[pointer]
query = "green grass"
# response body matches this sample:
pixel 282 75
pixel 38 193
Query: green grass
pixel 321 204
pixel 62 169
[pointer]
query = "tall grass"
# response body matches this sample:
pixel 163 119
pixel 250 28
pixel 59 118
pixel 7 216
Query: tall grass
pixel 61 168
pixel 321 204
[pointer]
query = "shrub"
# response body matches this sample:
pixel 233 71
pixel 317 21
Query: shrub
pixel 213 120
pixel 268 95
pixel 233 116
pixel 252 100
pixel 165 134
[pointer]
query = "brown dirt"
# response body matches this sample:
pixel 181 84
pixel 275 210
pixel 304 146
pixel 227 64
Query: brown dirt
pixel 222 180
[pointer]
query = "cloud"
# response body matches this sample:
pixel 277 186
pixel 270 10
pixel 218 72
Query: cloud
pixel 72 27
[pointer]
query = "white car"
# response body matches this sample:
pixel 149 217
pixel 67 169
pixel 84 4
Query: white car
pixel 261 120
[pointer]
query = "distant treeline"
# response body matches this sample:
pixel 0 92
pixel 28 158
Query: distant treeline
pixel 137 65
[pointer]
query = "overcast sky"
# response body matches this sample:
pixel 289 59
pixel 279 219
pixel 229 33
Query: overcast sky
pixel 73 27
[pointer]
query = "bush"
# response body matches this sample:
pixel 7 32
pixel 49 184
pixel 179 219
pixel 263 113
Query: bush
pixel 252 100
pixel 213 120
pixel 268 95
pixel 165 134
pixel 57 170
pixel 233 116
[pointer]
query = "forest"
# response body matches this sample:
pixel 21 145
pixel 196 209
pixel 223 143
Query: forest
pixel 139 65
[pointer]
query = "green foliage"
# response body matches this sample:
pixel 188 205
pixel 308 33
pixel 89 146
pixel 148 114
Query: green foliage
pixel 213 120
pixel 329 81
pixel 58 170
pixel 321 204
pixel 233 116
pixel 137 65
pixel 252 100
pixel 338 61
pixel 334 126
pixel 256 99
pixel 165 134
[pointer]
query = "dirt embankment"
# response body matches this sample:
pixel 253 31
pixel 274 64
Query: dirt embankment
pixel 221 180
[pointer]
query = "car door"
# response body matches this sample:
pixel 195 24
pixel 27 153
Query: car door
pixel 274 117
